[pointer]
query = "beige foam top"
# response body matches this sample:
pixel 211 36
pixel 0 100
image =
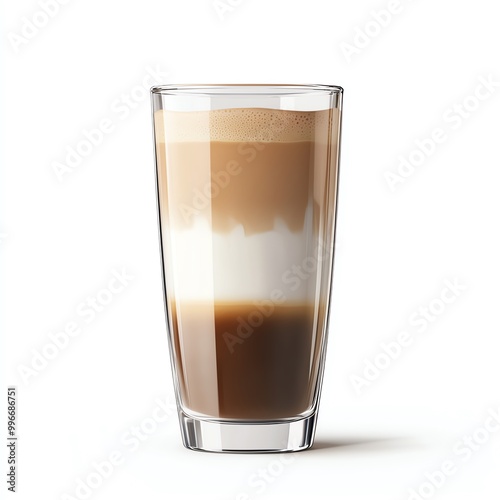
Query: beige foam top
pixel 241 125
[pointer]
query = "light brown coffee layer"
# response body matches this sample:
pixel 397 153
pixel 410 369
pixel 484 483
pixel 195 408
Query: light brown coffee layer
pixel 231 183
pixel 257 168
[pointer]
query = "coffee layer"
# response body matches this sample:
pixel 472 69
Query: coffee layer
pixel 232 183
pixel 242 361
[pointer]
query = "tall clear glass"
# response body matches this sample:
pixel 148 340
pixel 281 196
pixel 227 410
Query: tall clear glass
pixel 247 190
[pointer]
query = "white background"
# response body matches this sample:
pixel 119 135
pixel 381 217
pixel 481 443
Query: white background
pixel 61 241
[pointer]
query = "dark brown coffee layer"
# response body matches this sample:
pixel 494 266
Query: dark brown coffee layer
pixel 263 364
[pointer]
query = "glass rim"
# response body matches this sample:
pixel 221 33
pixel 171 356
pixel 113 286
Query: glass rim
pixel 245 89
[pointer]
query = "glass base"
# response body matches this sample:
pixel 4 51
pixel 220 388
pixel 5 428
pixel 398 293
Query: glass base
pixel 247 437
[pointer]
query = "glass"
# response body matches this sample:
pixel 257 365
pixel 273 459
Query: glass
pixel 247 189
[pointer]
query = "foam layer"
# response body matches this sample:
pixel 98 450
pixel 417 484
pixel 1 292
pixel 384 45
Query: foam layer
pixel 241 125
